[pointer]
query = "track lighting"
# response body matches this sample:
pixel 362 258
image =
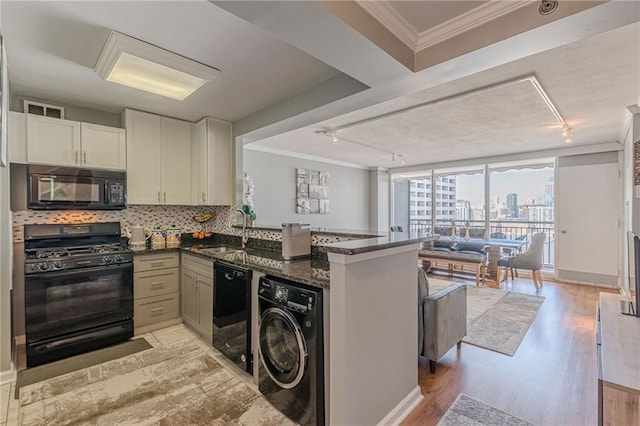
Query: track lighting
pixel 566 133
pixel 333 134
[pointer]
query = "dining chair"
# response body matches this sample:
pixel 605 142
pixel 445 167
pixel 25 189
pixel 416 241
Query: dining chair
pixel 510 251
pixel 529 260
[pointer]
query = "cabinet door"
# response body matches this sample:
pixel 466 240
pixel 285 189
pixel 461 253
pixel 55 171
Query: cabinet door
pixel 144 144
pixel 17 137
pixel 53 141
pixel 176 171
pixel 219 179
pixel 103 147
pixel 189 296
pixel 205 303
pixel 199 165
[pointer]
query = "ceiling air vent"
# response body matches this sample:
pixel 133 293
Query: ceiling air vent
pixel 38 108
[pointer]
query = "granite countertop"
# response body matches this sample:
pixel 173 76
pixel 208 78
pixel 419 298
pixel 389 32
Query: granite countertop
pixel 311 271
pixel 363 233
pixel 394 239
pixel 314 272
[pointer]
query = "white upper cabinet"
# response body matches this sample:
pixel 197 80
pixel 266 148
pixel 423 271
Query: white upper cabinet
pixel 158 159
pixel 212 163
pixel 176 161
pixel 62 142
pixel 17 137
pixel 53 141
pixel 103 147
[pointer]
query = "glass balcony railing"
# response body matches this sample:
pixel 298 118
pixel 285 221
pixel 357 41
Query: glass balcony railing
pixel 507 229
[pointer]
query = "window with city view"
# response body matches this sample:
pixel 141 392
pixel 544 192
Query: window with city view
pixel 521 201
pixel 465 201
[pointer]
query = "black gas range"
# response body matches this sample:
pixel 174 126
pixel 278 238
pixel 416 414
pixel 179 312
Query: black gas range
pixel 78 289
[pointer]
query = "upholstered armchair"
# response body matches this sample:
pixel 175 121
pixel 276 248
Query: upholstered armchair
pixel 530 260
pixel 442 319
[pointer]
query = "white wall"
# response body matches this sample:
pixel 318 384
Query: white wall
pixel 6 367
pixel 379 200
pixel 274 177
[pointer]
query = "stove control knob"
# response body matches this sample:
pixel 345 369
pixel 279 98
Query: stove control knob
pixel 58 265
pixel 43 266
pixel 118 259
pixel 107 260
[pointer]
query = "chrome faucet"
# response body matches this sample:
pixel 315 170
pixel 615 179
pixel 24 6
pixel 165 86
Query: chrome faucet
pixel 244 225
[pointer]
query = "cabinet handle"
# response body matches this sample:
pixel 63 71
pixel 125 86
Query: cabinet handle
pixel 158 196
pixel 203 197
pixel 157 285
pixel 76 157
pixel 84 157
pixel 154 264
pixel 165 197
pixel 157 311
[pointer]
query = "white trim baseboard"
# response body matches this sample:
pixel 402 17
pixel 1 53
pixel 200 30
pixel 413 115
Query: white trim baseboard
pixel 20 340
pixel 8 376
pixel 403 408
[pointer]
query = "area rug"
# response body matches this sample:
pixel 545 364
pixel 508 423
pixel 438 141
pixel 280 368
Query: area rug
pixel 67 365
pixel 176 384
pixel 496 320
pixel 468 411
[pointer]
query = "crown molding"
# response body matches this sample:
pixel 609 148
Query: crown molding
pixel 627 121
pixel 384 13
pixel 391 20
pixel 467 21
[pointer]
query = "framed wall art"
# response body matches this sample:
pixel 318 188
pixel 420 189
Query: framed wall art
pixel 312 191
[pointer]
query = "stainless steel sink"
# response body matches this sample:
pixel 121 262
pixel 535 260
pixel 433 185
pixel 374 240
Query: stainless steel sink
pixel 220 250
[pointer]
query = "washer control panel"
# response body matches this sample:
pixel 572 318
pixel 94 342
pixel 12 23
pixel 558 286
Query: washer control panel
pixel 294 298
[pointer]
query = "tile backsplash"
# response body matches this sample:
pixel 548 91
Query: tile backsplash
pixel 159 217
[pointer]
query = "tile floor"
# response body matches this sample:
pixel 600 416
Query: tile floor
pixel 11 411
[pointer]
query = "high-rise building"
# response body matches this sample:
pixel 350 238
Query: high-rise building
pixel 512 205
pixel 463 210
pixel 548 193
pixel 420 198
pixel 537 213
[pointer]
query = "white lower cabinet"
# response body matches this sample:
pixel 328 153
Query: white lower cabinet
pixel 156 297
pixel 197 293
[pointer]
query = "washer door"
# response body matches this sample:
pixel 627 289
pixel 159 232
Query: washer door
pixel 283 349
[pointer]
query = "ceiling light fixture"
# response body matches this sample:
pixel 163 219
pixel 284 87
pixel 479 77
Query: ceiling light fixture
pixel 566 133
pixel 334 138
pixel 547 7
pixel 131 62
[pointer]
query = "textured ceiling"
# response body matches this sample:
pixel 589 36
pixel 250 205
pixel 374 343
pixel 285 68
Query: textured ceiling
pixel 590 81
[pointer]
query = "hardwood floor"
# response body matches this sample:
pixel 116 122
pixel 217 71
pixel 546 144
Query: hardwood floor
pixel 551 379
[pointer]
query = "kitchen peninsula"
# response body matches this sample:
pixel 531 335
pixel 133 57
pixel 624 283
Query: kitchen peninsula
pixel 371 288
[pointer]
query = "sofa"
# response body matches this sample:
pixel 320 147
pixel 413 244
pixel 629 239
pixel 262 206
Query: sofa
pixel 442 319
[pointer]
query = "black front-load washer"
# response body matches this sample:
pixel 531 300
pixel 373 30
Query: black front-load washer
pixel 291 371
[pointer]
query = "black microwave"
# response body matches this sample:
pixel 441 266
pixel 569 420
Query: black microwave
pixel 59 188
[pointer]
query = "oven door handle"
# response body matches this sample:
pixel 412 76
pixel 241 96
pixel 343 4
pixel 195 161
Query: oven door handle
pixel 77 339
pixel 77 272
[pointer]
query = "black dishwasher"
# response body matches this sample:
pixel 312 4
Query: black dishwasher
pixel 232 314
